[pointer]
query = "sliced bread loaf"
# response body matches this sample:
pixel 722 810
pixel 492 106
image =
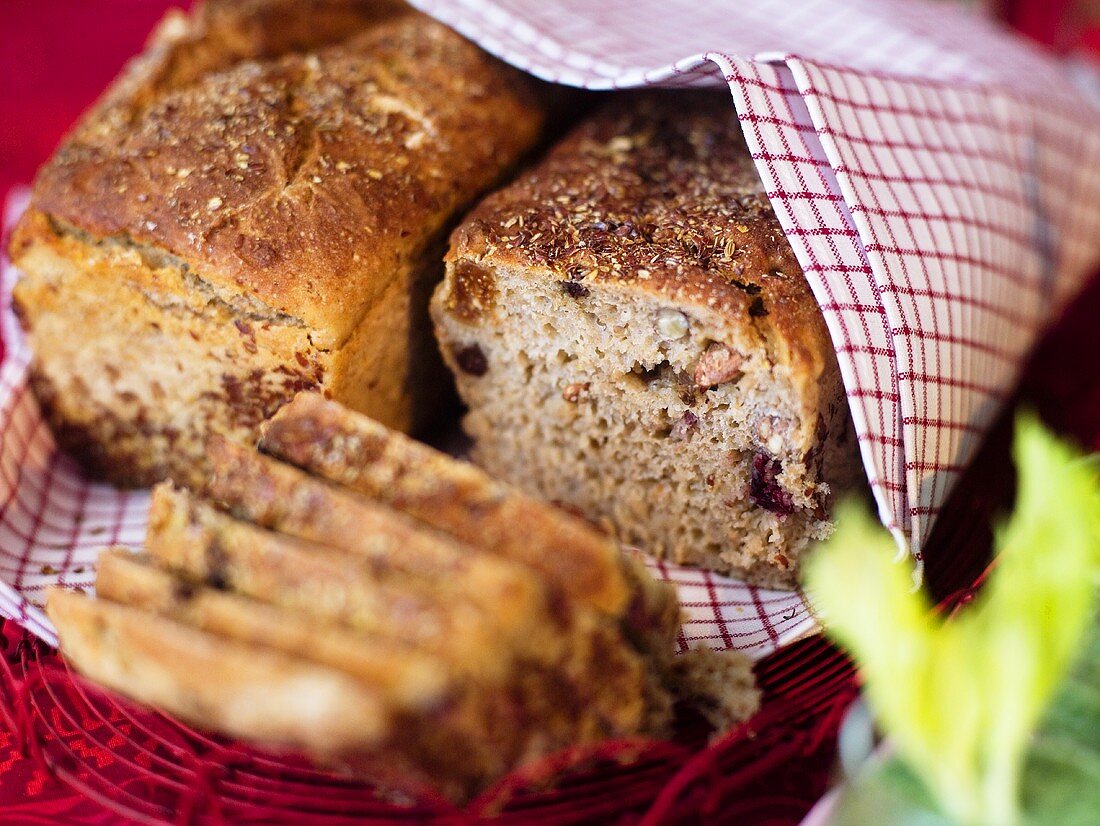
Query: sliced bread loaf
pixel 634 339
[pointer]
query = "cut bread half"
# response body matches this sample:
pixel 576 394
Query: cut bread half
pixel 634 339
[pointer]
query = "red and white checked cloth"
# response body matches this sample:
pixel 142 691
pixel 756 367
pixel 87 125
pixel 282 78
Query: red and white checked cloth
pixel 938 180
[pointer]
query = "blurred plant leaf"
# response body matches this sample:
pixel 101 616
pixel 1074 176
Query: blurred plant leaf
pixel 960 700
pixel 1061 782
pixel 1061 777
pixel 887 791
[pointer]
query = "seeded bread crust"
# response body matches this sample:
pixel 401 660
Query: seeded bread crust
pixel 217 34
pixel 327 439
pixel 226 231
pixel 634 338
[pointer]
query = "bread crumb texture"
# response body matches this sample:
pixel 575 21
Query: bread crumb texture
pixel 634 338
pixel 258 205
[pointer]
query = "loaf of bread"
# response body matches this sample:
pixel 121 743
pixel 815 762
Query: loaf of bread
pixel 453 660
pixel 257 206
pixel 634 339
pixel 233 687
pixel 397 667
pixel 461 500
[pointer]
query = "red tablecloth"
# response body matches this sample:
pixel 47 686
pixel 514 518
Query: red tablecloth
pixel 56 55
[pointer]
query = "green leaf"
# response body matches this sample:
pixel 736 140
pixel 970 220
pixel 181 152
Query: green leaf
pixel 961 699
pixel 1061 781
pixel 887 791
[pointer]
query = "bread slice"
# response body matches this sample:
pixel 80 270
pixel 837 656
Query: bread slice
pixel 192 538
pixel 719 684
pixel 208 680
pixel 277 700
pixel 350 449
pixel 472 631
pixel 467 724
pixel 407 678
pixel 634 338
pixel 275 495
pixel 478 662
pixel 565 667
pixel 248 213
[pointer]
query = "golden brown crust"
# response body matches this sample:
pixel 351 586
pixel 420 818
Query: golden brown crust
pixel 655 194
pixel 408 678
pixel 219 33
pixel 305 181
pixel 235 688
pixel 238 30
pixel 258 205
pixel 335 443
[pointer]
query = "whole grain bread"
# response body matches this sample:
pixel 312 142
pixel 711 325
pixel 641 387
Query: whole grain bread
pixel 274 495
pixel 452 660
pixel 230 686
pixel 407 677
pixel 481 625
pixel 634 339
pixel 282 701
pixel 461 500
pixel 194 539
pixel 449 722
pixel 258 206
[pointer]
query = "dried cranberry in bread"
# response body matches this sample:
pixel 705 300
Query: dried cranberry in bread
pixel 257 206
pixel 634 338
